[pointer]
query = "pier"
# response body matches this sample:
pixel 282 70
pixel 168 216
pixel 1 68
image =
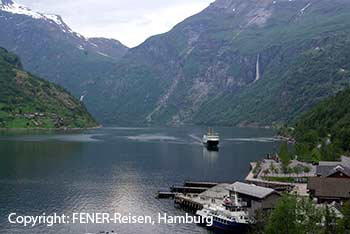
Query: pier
pixel 185 189
pixel 165 195
pixel 189 187
pixel 200 184
pixel 210 196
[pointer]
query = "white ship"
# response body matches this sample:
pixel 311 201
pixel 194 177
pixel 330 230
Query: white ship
pixel 211 140
pixel 237 220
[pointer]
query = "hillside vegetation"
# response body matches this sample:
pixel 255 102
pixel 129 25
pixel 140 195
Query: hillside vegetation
pixel 324 132
pixel 50 49
pixel 29 102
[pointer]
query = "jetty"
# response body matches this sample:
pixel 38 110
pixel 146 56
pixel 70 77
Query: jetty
pixel 200 184
pixel 189 187
pixel 165 195
pixel 210 196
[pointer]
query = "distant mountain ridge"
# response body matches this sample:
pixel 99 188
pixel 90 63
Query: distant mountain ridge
pixel 235 63
pixel 48 47
pixel 29 102
pixel 116 48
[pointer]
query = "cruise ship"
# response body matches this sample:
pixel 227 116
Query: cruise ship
pixel 211 139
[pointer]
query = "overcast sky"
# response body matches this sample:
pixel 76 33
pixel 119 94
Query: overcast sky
pixel 130 21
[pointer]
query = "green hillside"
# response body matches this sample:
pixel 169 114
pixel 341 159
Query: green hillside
pixel 324 131
pixel 29 102
pixel 50 49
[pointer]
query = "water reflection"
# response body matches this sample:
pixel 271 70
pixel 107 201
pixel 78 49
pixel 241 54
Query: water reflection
pixel 28 159
pixel 65 173
pixel 210 155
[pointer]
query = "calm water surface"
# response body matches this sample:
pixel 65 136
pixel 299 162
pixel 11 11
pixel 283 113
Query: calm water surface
pixel 116 170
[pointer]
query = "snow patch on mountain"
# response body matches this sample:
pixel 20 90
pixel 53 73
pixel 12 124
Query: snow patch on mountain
pixel 54 18
pixel 103 54
pixel 16 8
pixel 304 8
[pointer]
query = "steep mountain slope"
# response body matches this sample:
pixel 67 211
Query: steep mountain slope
pixel 237 62
pixel 326 128
pixel 50 49
pixel 30 102
pixel 288 91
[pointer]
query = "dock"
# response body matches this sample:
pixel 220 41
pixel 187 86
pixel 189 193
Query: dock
pixel 165 195
pixel 210 196
pixel 200 184
pixel 185 189
pixel 189 187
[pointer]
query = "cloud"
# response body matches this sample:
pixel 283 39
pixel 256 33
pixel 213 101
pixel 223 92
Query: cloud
pixel 130 21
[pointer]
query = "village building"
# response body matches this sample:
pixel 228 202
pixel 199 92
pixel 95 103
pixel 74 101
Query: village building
pixel 334 169
pixel 254 197
pixel 332 182
pixel 328 189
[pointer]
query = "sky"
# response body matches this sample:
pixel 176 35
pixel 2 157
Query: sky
pixel 129 21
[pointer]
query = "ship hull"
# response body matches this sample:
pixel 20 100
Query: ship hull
pixel 212 145
pixel 222 225
pixel 228 227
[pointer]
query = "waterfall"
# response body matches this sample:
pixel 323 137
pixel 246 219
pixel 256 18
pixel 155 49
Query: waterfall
pixel 257 77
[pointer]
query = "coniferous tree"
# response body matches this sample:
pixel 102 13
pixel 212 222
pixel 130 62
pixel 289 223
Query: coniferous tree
pixel 283 218
pixel 284 156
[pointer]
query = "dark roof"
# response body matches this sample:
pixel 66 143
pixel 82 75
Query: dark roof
pixel 344 170
pixel 345 161
pixel 329 187
pixel 251 190
pixel 326 168
pixel 322 170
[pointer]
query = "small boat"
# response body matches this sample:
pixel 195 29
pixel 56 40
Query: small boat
pixel 211 140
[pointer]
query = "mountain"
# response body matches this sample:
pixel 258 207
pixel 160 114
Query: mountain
pixel 49 48
pixel 238 62
pixel 109 47
pixel 29 102
pixel 326 126
pixel 248 62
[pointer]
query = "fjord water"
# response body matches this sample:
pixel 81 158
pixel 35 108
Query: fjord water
pixel 115 170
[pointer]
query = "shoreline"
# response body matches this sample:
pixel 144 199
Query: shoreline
pixel 49 129
pixel 195 125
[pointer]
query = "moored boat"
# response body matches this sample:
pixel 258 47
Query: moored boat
pixel 225 220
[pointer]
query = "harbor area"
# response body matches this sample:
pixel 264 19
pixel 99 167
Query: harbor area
pixel 231 205
pixel 235 205
pixel 230 196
